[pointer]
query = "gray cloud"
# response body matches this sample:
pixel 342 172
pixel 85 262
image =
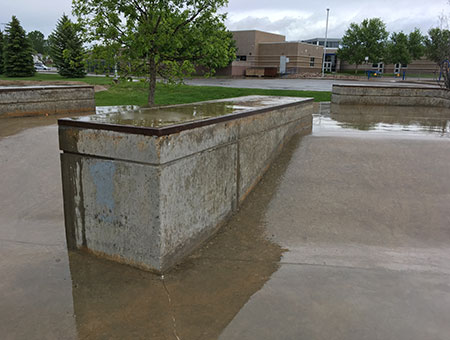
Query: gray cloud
pixel 298 20
pixel 39 15
pixel 293 18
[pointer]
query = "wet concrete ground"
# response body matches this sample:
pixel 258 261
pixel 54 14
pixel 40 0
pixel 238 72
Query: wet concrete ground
pixel 346 237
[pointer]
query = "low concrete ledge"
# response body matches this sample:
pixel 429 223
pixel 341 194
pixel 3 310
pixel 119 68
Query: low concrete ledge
pixel 148 196
pixel 390 95
pixel 46 100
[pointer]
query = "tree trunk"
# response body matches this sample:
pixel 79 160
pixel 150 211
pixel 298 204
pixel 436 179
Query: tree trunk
pixel 152 82
pixel 356 68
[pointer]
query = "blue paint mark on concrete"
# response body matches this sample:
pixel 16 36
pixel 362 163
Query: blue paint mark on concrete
pixel 103 177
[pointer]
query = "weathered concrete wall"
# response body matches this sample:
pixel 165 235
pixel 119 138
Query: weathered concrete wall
pixel 387 95
pixel 149 201
pixel 46 100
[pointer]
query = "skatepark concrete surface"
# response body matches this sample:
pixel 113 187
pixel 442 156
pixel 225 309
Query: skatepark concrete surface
pixel 347 236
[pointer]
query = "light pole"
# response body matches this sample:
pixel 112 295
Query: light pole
pixel 325 45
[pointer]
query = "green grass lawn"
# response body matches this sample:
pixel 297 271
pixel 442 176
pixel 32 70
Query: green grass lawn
pixel 135 93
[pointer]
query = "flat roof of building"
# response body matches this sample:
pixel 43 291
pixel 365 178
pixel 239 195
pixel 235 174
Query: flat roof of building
pixel 322 39
pixel 257 31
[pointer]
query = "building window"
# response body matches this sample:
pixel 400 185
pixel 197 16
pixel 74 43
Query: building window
pixel 332 44
pixel 311 62
pixel 241 58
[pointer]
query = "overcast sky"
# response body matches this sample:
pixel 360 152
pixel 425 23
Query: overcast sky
pixel 296 19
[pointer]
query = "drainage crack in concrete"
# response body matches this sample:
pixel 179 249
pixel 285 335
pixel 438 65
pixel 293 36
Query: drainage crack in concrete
pixel 174 320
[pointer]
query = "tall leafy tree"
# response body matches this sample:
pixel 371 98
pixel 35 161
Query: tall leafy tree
pixel 38 42
pixel 17 51
pixel 1 52
pixel 438 50
pixel 416 44
pixel 398 49
pixel 166 38
pixel 352 49
pixel 374 37
pixel 367 39
pixel 66 49
pixel 438 45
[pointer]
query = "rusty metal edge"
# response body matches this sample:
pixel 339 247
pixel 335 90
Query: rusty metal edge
pixel 168 130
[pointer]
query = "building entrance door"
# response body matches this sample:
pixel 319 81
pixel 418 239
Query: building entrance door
pixel 379 67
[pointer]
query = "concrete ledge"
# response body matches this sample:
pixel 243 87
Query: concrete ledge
pixel 149 200
pixel 46 100
pixel 387 95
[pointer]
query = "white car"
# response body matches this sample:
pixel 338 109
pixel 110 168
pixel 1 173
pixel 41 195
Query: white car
pixel 40 67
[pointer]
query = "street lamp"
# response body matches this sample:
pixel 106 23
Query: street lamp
pixel 325 45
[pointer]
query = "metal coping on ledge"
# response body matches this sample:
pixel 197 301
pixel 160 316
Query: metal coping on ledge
pixel 171 129
pixel 434 87
pixel 37 87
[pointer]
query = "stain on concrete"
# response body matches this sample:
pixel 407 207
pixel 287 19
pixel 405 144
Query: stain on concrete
pixel 102 174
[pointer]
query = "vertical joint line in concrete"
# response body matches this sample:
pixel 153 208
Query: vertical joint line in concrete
pixel 238 170
pixel 82 212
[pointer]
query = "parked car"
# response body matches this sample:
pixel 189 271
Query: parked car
pixel 40 67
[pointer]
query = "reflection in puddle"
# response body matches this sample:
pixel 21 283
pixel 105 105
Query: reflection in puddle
pixel 331 118
pixel 171 115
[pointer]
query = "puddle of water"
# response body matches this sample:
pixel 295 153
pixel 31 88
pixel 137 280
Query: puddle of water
pixel 165 116
pixel 372 120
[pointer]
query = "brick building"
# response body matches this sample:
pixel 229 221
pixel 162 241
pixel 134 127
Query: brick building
pixel 258 51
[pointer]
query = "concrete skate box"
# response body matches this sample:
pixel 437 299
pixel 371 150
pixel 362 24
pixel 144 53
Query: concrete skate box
pixel 147 186
pixel 21 101
pixel 390 95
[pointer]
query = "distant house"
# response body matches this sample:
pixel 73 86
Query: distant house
pixel 259 51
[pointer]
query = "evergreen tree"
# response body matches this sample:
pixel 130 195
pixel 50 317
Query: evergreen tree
pixel 17 51
pixel 1 52
pixel 66 49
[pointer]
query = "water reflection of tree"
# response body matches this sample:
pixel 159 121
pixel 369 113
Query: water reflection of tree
pixel 164 116
pixel 366 118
